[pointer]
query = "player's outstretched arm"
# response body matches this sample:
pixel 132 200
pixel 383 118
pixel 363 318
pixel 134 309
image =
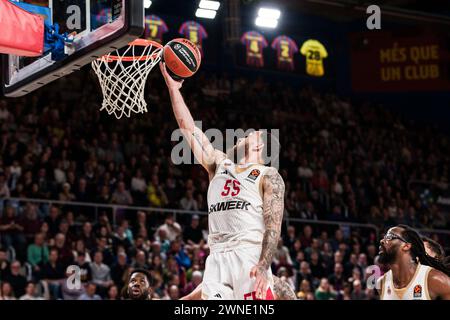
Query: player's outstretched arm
pixel 273 207
pixel 439 285
pixel 198 142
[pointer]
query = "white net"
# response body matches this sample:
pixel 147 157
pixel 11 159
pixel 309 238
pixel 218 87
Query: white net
pixel 123 74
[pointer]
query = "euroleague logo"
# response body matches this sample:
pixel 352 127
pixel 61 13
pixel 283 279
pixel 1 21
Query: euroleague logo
pixel 187 58
pixel 254 174
pixel 418 291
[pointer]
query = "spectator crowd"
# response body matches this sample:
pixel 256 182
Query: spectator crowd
pixel 341 161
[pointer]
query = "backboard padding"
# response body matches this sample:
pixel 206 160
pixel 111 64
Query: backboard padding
pixel 89 46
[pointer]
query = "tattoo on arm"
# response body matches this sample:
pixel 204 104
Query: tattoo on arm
pixel 283 290
pixel 273 207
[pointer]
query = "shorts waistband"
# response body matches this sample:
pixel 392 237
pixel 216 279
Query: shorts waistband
pixel 231 245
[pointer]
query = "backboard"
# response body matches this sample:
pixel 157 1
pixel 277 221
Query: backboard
pixel 101 26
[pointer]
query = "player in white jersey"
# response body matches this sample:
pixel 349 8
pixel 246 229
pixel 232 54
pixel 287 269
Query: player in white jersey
pixel 245 204
pixel 413 274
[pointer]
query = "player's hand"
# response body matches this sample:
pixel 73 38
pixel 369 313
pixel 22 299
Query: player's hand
pixel 171 84
pixel 262 280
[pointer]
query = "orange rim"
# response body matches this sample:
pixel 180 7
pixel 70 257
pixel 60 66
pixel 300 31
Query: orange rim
pixel 145 43
pixel 137 42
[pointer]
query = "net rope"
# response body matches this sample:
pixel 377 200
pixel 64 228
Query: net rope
pixel 123 76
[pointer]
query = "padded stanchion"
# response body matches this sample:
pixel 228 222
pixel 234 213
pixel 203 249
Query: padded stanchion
pixel 22 33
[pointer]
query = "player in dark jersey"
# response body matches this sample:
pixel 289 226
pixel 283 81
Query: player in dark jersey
pixel 138 286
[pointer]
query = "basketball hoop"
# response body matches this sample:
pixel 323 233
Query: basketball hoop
pixel 123 74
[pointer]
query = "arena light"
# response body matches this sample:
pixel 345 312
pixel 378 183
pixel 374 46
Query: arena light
pixel 266 23
pixel 205 13
pixel 271 14
pixel 268 18
pixel 210 5
pixel 147 3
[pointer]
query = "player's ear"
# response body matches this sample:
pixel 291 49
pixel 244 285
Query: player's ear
pixel 406 246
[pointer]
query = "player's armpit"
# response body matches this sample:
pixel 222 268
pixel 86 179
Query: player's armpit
pixel 273 208
pixel 438 285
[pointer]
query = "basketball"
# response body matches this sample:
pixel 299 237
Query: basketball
pixel 182 58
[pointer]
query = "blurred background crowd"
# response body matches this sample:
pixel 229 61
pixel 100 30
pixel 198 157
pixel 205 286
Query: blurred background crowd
pixel 342 161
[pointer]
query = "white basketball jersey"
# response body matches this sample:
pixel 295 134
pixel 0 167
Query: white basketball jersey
pixel 235 204
pixel 417 289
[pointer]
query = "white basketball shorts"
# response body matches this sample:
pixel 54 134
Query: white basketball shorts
pixel 227 274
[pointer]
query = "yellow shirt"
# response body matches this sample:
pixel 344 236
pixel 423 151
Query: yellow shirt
pixel 315 52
